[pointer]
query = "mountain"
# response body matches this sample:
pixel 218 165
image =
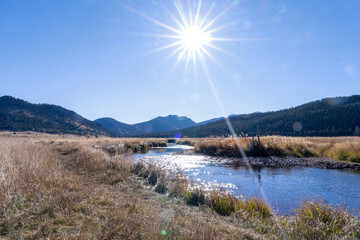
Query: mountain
pixel 338 116
pixel 119 128
pixel 234 115
pixel 159 124
pixel 19 115
pixel 209 121
pixel 219 118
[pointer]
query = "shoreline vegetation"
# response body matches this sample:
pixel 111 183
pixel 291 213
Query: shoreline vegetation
pixel 278 151
pixel 72 187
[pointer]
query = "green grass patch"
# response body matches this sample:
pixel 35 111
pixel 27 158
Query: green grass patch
pixel 316 220
pixel 195 197
pixel 223 203
pixel 348 156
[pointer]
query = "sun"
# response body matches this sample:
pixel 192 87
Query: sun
pixel 194 39
pixel 193 31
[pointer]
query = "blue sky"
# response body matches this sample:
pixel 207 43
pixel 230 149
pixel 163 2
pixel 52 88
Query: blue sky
pixel 93 56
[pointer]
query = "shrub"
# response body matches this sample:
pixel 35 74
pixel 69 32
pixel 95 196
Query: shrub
pixel 347 155
pixel 178 186
pixel 154 174
pixel 137 168
pixel 354 157
pixel 152 179
pixel 161 186
pixel 195 197
pixel 144 148
pixel 186 142
pixel 158 144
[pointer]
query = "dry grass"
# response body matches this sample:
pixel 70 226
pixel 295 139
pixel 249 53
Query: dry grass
pixel 73 190
pixel 30 178
pixel 340 148
pixel 315 220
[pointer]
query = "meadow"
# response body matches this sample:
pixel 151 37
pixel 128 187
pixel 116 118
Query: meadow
pixel 70 187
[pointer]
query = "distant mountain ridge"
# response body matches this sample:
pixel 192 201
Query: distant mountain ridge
pixel 19 115
pixel 159 124
pixel 118 128
pixel 339 116
pixel 209 121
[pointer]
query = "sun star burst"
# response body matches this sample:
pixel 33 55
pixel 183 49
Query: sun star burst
pixel 193 32
pixel 194 39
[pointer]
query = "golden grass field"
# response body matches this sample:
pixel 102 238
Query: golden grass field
pixel 70 187
pixel 338 148
pixel 64 187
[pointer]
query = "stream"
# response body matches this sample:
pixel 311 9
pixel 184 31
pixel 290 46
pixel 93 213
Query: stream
pixel 285 188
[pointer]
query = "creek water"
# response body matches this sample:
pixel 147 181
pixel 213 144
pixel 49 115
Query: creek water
pixel 285 188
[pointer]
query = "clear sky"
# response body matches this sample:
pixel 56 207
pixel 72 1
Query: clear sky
pixel 97 57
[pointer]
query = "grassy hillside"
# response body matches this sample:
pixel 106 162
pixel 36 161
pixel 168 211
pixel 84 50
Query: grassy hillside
pixel 19 115
pixel 327 117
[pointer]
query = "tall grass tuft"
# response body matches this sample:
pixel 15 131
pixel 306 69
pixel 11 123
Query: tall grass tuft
pixel 155 173
pixel 223 203
pixel 316 220
pixel 178 185
pixel 255 208
pixel 194 197
pixel 161 186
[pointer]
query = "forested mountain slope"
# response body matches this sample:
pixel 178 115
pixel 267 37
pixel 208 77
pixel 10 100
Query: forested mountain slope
pixel 19 115
pixel 338 116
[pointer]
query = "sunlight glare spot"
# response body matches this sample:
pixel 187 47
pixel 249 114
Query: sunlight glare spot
pixel 194 38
